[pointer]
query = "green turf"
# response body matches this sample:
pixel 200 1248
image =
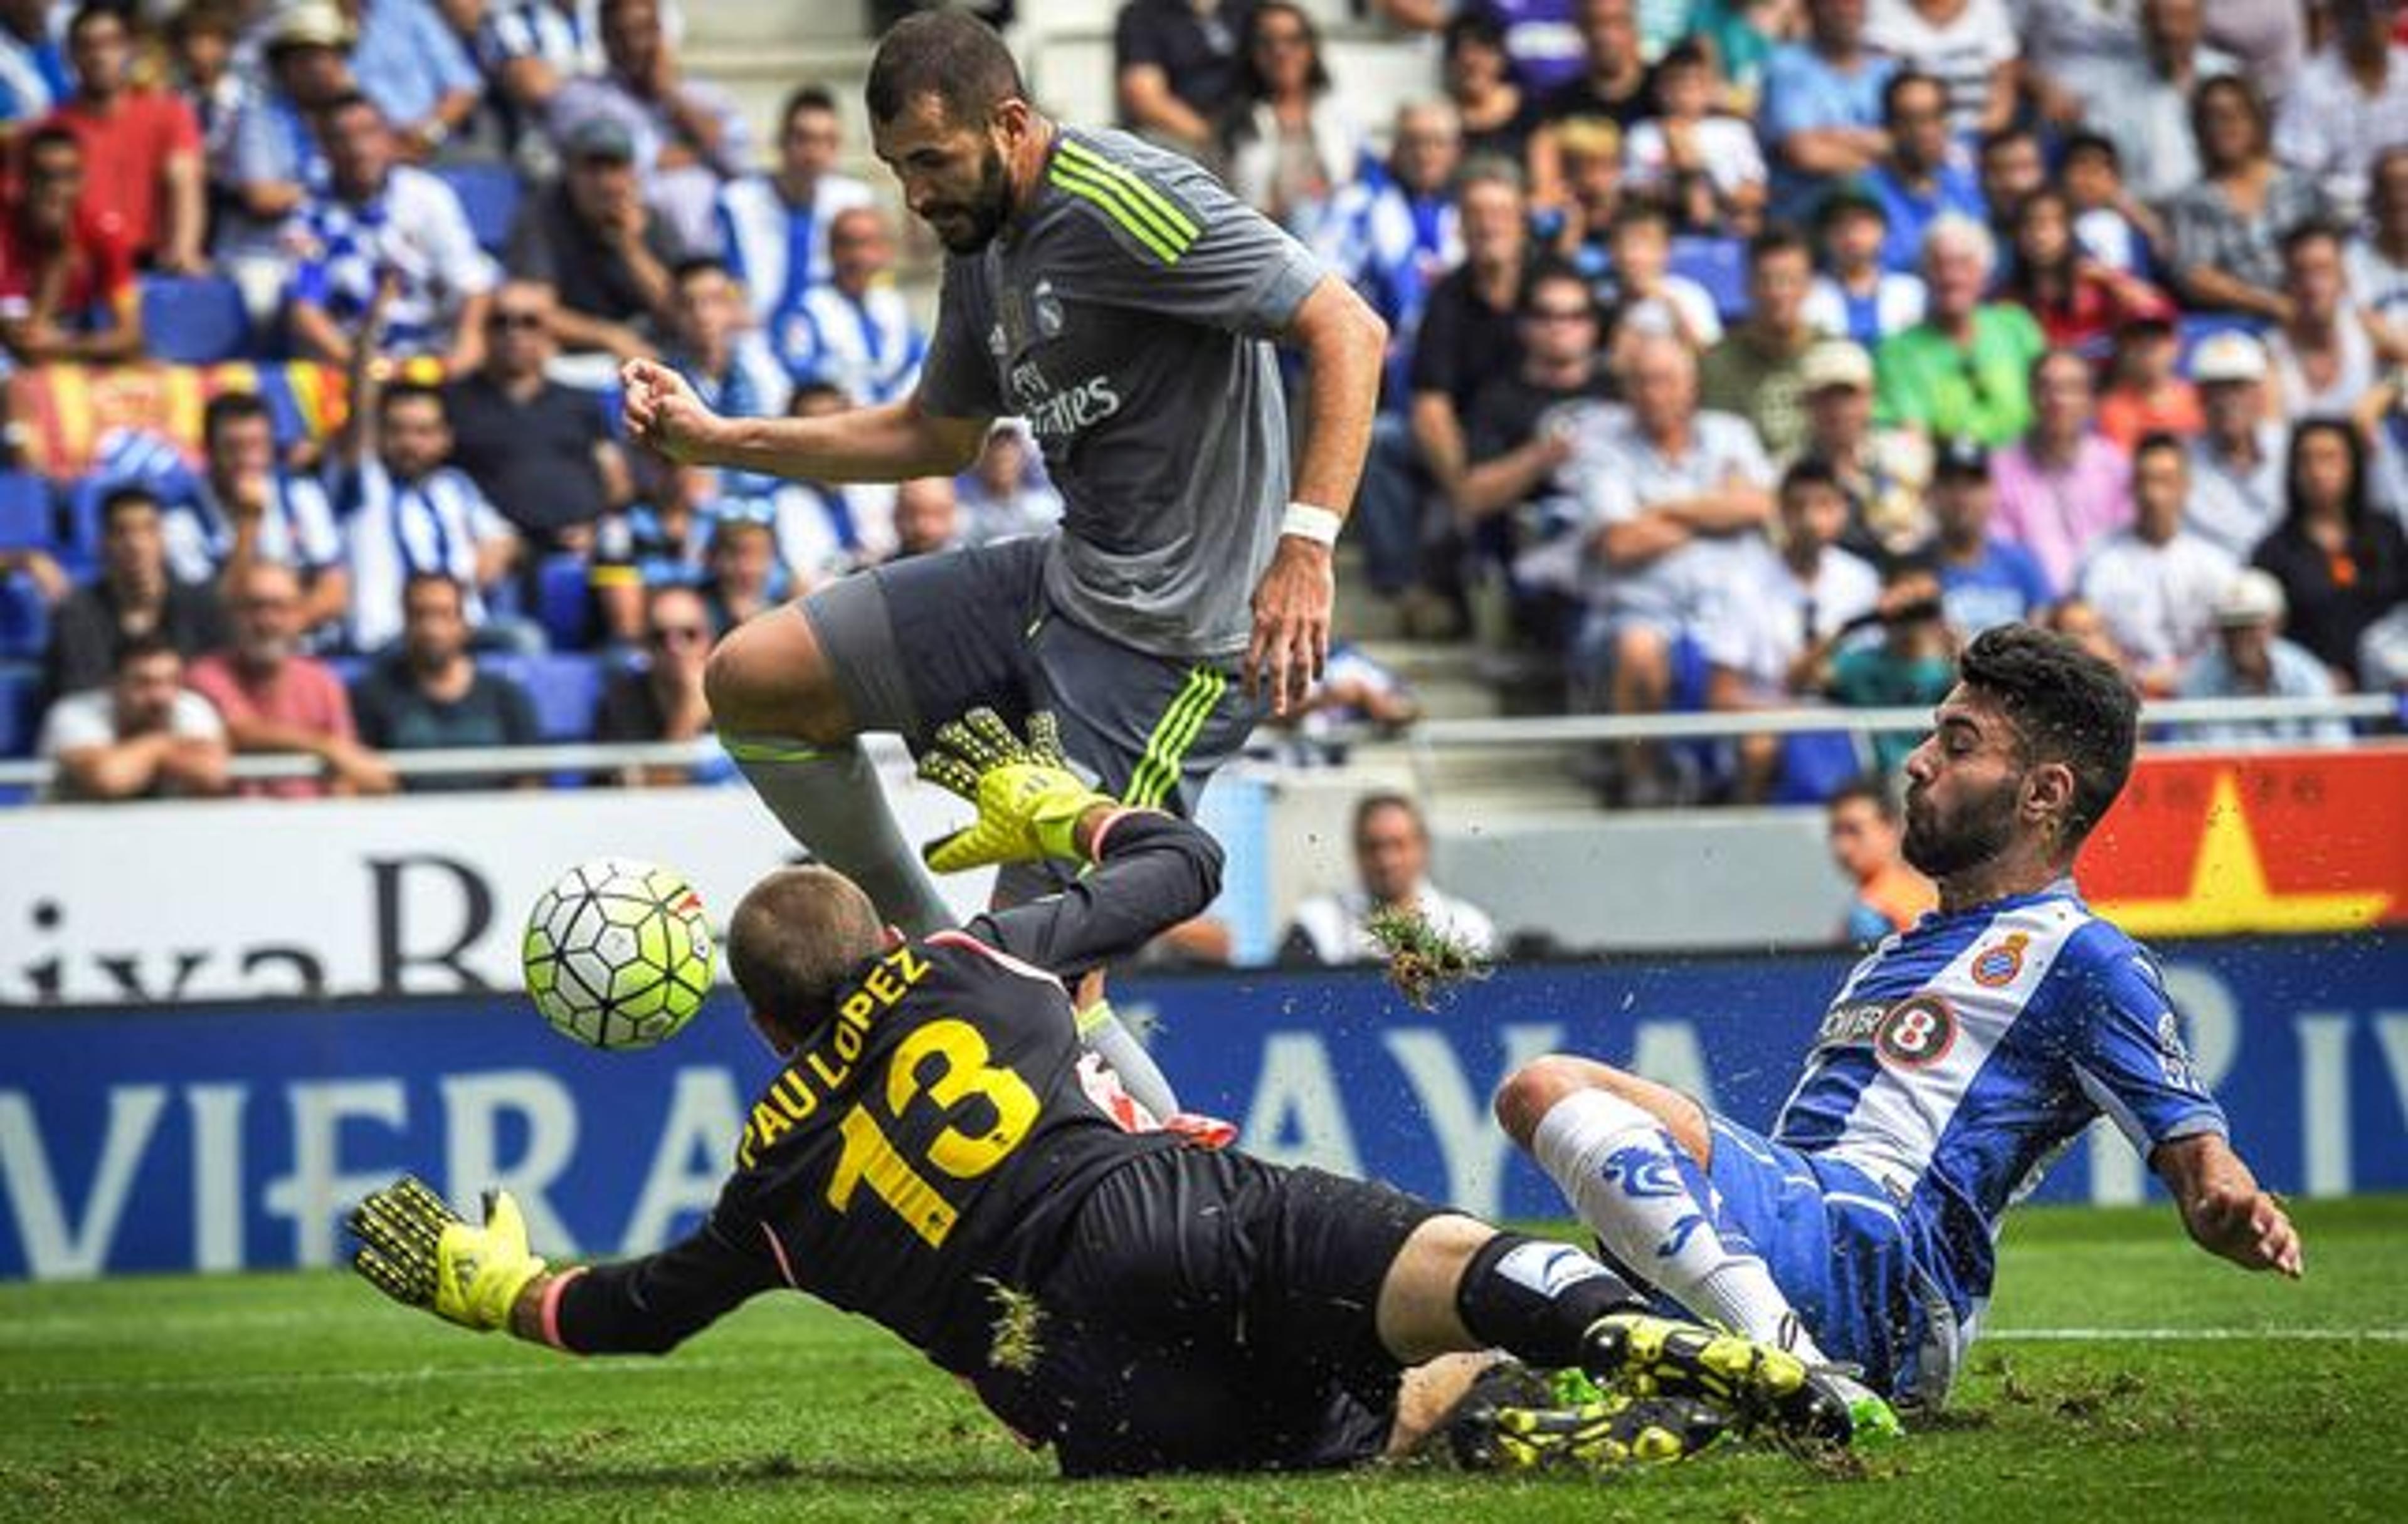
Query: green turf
pixel 305 1397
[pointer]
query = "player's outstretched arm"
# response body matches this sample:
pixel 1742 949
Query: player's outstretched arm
pixel 2224 1208
pixel 893 442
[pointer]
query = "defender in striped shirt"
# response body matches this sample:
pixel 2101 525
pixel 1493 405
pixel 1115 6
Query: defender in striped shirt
pixel 1954 1066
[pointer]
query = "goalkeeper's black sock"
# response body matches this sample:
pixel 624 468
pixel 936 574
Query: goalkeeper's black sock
pixel 1535 1297
pixel 829 799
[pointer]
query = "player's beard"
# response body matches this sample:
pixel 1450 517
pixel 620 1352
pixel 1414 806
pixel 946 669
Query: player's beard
pixel 1942 846
pixel 980 217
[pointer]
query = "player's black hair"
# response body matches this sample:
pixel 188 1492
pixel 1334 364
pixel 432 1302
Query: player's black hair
pixel 1386 798
pixel 948 54
pixel 233 408
pixel 2067 705
pixel 1872 789
pixel 795 942
pixel 129 494
pixel 813 97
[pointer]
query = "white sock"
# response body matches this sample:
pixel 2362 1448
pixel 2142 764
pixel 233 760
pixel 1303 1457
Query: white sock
pixel 829 799
pixel 1621 1171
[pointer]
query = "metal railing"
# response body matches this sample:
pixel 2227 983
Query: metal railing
pixel 1422 740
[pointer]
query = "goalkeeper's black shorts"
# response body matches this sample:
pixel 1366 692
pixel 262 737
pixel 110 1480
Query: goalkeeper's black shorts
pixel 1211 1312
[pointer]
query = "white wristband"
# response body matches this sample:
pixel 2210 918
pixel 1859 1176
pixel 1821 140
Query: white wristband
pixel 1305 521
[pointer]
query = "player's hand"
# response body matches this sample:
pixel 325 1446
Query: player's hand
pixel 1029 802
pixel 415 1249
pixel 1291 642
pixel 662 410
pixel 2248 1228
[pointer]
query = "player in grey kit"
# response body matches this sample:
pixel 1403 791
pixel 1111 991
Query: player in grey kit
pixel 1121 301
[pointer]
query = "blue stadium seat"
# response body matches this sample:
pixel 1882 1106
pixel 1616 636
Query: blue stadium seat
pixel 195 320
pixel 24 618
pixel 490 194
pixel 1813 764
pixel 565 687
pixel 21 699
pixel 1718 264
pixel 564 601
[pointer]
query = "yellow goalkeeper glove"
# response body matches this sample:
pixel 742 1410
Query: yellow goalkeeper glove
pixel 1028 800
pixel 415 1249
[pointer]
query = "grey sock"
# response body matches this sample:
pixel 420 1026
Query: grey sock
pixel 829 799
pixel 1105 1036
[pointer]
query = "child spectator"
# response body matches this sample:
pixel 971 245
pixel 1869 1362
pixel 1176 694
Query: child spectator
pixel 1856 297
pixel 2110 226
pixel 1705 165
pixel 1913 665
pixel 1861 824
pixel 2076 300
pixel 2145 394
pixel 1647 298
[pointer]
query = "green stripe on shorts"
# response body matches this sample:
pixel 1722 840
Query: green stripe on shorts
pixel 1157 772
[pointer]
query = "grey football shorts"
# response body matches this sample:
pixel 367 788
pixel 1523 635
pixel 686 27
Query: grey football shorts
pixel 920 641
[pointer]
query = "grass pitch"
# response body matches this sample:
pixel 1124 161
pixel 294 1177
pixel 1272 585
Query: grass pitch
pixel 2127 1377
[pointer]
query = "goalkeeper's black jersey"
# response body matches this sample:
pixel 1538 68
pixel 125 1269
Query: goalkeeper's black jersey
pixel 928 1145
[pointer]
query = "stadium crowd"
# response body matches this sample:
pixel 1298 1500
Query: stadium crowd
pixel 1743 355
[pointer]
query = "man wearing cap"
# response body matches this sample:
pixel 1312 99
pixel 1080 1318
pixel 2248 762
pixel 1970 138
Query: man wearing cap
pixel 275 163
pixel 2156 584
pixel 1882 471
pixel 689 135
pixel 592 238
pixel 1758 369
pixel 2250 659
pixel 1984 580
pixel 2236 462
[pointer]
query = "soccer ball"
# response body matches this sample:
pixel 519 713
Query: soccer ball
pixel 617 955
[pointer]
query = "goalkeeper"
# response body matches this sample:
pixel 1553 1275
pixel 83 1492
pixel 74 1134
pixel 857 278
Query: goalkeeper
pixel 937 1154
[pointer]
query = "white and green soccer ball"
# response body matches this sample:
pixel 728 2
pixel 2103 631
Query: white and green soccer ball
pixel 617 954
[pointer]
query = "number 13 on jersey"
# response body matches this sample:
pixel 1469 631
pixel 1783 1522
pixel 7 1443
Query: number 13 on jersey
pixel 962 1072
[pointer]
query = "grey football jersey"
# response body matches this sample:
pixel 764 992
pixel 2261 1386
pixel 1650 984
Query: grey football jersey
pixel 1127 314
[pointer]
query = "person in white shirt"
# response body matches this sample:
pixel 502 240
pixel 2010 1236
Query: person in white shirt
pixel 2377 261
pixel 1392 869
pixel 2250 659
pixel 2156 584
pixel 143 736
pixel 856 332
pixel 1778 606
pixel 2323 355
pixel 1967 44
pixel 773 228
pixel 2236 462
pixel 1709 166
pixel 2350 103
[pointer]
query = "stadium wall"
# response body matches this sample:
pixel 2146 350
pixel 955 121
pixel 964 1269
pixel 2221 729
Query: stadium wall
pixel 227 1136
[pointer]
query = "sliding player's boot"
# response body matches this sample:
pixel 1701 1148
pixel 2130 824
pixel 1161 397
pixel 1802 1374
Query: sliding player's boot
pixel 1759 1386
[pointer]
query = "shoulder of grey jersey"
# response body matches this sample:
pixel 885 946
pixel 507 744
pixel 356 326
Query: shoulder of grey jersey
pixel 1154 202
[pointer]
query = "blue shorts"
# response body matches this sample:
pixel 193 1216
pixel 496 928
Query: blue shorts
pixel 1840 1251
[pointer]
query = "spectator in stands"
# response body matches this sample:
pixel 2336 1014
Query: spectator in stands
pixel 136 595
pixel 1614 85
pixel 774 228
pixel 1468 335
pixel 2141 102
pixel 1671 496
pixel 245 509
pixel 33 66
pixel 1644 294
pixel 274 698
pixel 1498 113
pixel 2064 486
pixel 2378 258
pixel 2349 103
pixel 927 516
pixel 715 347
pixel 144 736
pixel 276 165
pixel 2322 352
pixel 2110 226
pixel 141 146
pixel 1922 176
pixel 2156 584
pixel 1824 119
pixel 2009 167
pixel 417 70
pixel 1706 165
pixel 2147 392
pixel 2078 619
pixel 855 332
pixel 1004 494
pixel 381 222
pixel 2342 564
pixel 1913 665
pixel 408 511
pixel 1983 580
pixel 2250 659
pixel 1882 471
pixel 201 39
pixel 658 540
pixel 1856 297
pixel 1178 67
pixel 67 291
pixel 606 255
pixel 1395 233
pixel 1290 143
pixel 741 562
pixel 1965 369
pixel 1588 153
pixel 1862 824
pixel 2237 465
pixel 540 452
pixel 1968 45
pixel 2225 230
pixel 689 135
pixel 1392 874
pixel 1540 41
pixel 2077 300
pixel 1759 370
pixel 824 529
pixel 526 49
pixel 661 699
pixel 1777 607
pixel 427 694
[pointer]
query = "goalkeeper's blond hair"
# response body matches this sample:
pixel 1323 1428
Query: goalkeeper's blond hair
pixel 794 939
